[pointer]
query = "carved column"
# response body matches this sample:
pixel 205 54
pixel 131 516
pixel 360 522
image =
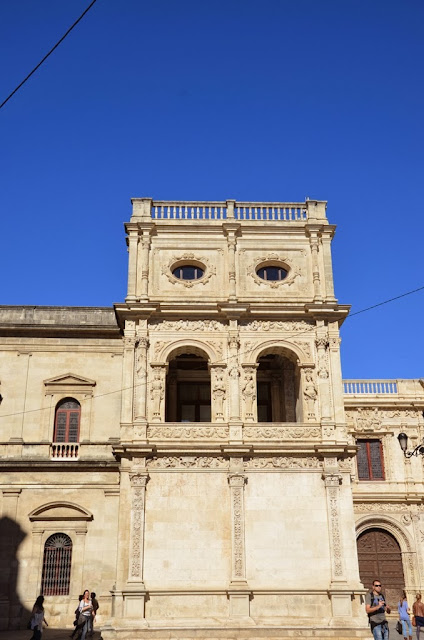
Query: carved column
pixel 315 266
pixel 157 393
pixel 140 382
pixel 323 377
pixel 138 493
pixel 249 393
pixel 128 374
pixel 219 392
pixel 233 382
pixel 332 480
pixel 132 231
pixel 239 594
pixel 143 264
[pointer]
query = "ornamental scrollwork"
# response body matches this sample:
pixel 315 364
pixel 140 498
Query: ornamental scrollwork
pixel 187 462
pixel 293 271
pixel 283 462
pixel 186 325
pixel 276 325
pixel 189 258
pixel 187 433
pixel 282 433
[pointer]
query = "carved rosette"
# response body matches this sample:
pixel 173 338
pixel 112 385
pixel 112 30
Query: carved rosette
pixel 237 482
pixel 332 483
pixel 138 490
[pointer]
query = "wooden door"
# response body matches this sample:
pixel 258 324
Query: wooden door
pixel 380 557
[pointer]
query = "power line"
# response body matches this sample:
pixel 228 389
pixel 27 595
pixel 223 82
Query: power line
pixel 48 54
pixel 293 335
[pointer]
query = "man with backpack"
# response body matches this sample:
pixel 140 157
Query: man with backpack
pixel 376 608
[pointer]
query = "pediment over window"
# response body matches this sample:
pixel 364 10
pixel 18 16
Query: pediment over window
pixel 69 383
pixel 60 511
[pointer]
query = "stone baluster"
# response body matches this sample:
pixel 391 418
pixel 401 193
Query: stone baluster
pixel 138 481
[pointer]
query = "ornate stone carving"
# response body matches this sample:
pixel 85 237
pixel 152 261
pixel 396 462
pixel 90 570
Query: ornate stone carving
pixel 249 392
pixel 381 507
pixel 217 347
pixel 282 433
pixel 283 462
pixel 189 258
pixel 138 484
pixel 276 325
pixel 336 544
pixel 305 347
pixel 157 393
pixel 219 393
pixel 310 394
pixel 158 347
pixel 293 270
pixel 140 377
pixel 366 419
pixel 188 462
pixel 187 433
pixel 236 483
pixel 322 345
pixel 345 464
pixel 186 325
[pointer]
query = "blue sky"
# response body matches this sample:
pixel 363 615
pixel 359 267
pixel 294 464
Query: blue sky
pixel 248 99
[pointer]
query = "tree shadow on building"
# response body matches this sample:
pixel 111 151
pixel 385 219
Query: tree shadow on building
pixel 13 613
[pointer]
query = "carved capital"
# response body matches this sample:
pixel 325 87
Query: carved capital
pixel 236 480
pixel 139 479
pixel 332 479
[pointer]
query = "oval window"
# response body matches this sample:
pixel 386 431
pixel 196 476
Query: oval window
pixel 188 272
pixel 272 273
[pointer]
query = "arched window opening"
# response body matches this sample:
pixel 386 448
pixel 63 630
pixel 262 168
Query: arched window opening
pixel 57 559
pixel 379 556
pixel 277 389
pixel 67 421
pixel 188 389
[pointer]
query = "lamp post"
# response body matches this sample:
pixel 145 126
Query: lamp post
pixel 403 442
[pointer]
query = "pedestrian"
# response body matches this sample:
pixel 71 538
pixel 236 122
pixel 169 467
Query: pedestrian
pixel 76 613
pixel 37 618
pixel 403 610
pixel 418 611
pixel 86 611
pixel 95 604
pixel 376 608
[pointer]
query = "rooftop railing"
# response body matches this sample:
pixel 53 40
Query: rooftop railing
pixel 374 387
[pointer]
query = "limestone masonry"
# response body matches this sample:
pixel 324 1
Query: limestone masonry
pixel 193 455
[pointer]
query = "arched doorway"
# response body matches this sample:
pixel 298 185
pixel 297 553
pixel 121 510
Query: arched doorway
pixel 379 556
pixel 277 388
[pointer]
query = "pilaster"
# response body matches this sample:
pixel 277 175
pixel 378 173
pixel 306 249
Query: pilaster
pixel 238 592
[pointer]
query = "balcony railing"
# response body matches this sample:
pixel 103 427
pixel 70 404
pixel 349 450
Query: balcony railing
pixel 64 451
pixel 231 210
pixel 370 387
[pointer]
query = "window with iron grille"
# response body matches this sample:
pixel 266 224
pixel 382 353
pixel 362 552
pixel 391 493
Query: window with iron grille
pixel 67 421
pixel 56 565
pixel 370 460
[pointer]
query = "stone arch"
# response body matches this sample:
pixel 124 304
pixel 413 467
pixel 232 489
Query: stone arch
pixel 291 351
pixel 60 510
pixel 389 525
pixel 178 347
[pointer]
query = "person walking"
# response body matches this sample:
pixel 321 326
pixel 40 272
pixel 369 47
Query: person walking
pixel 77 613
pixel 403 610
pixel 95 604
pixel 86 610
pixel 376 608
pixel 418 611
pixel 37 618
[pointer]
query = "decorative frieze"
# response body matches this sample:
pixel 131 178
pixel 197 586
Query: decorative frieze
pixel 277 325
pixel 187 433
pixel 186 325
pixel 382 507
pixel 375 419
pixel 187 462
pixel 283 462
pixel 282 433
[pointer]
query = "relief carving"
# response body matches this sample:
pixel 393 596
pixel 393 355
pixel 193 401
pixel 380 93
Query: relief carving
pixel 187 433
pixel 249 393
pixel 188 462
pixel 157 394
pixel 283 462
pixel 219 393
pixel 282 433
pixel 186 325
pixel 277 325
pixel 293 271
pixel 210 269
pixel 310 394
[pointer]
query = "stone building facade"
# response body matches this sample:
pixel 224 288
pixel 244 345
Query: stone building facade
pixel 193 454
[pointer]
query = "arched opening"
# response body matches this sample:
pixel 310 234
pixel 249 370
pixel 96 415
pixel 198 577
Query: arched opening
pixel 56 565
pixel 188 389
pixel 277 389
pixel 67 421
pixel 379 556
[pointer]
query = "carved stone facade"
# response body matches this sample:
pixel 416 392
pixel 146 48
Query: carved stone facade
pixel 207 478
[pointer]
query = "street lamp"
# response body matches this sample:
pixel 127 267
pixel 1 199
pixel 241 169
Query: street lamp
pixel 403 442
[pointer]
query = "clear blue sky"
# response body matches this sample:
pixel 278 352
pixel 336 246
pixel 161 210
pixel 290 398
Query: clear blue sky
pixel 246 99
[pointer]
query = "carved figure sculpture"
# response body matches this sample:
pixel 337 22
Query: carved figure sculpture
pixel 310 394
pixel 249 395
pixel 219 394
pixel 157 393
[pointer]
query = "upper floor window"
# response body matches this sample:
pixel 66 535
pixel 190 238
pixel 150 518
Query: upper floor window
pixel 56 565
pixel 67 421
pixel 370 460
pixel 188 272
pixel 272 273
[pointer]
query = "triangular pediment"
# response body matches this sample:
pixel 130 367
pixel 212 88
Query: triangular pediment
pixel 60 511
pixel 69 380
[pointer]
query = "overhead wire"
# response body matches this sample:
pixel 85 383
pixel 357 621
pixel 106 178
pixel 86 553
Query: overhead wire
pixel 227 359
pixel 48 54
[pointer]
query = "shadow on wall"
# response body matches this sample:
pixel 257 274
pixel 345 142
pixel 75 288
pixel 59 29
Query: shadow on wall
pixel 13 614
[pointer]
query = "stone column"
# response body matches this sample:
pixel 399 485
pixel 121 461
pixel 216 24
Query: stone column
pixel 219 392
pixel 233 382
pixel 128 377
pixel 132 230
pixel 139 481
pixel 336 372
pixel 140 379
pixel 239 594
pixel 249 393
pixel 157 393
pixel 143 263
pixel 323 377
pixel 315 266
